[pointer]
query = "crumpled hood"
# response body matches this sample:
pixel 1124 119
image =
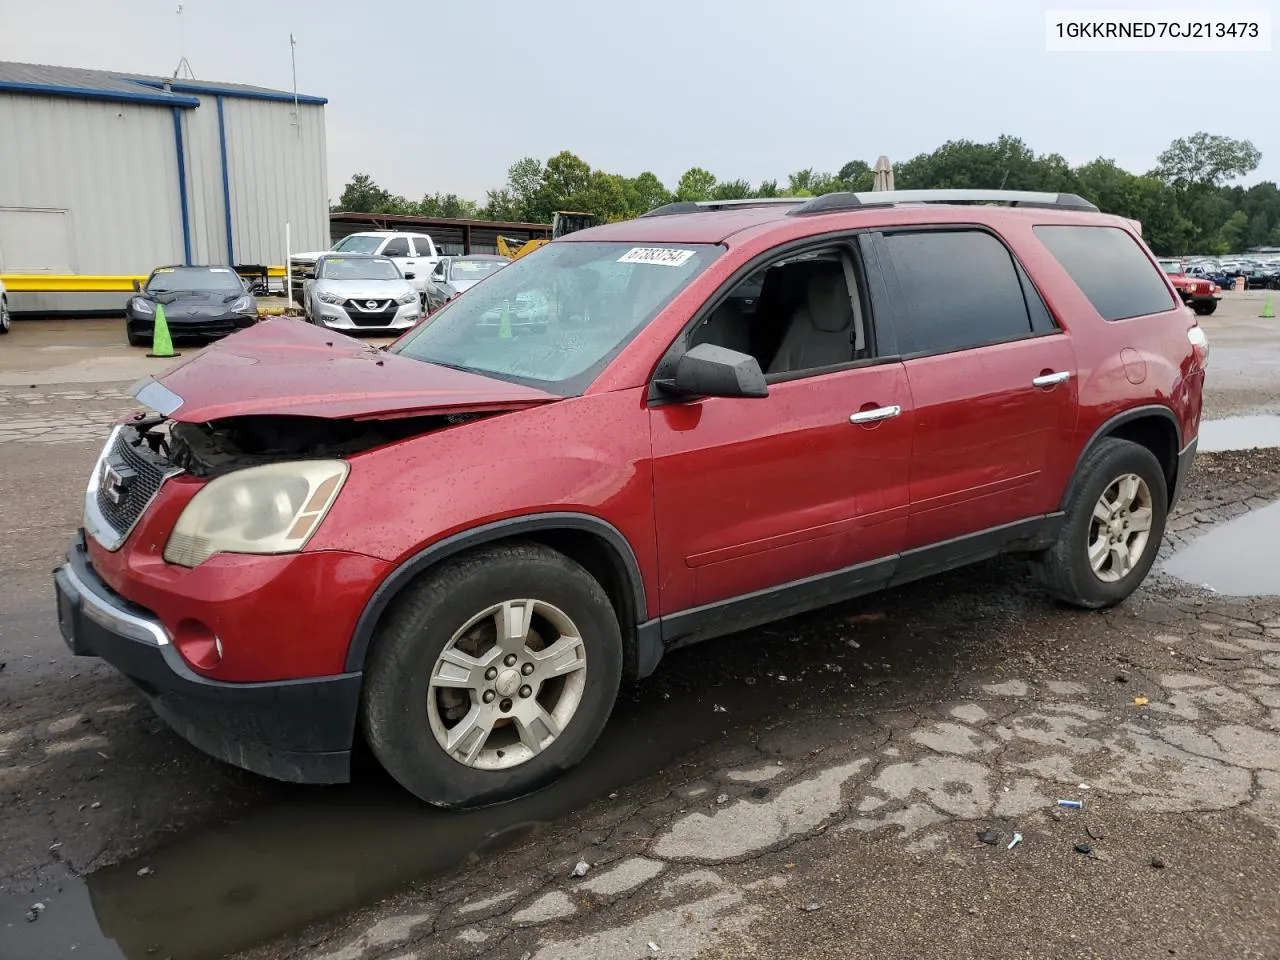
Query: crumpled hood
pixel 286 366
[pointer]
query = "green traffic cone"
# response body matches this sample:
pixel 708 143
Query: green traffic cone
pixel 504 323
pixel 1268 311
pixel 161 343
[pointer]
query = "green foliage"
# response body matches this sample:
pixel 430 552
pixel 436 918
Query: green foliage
pixel 1183 204
pixel 695 184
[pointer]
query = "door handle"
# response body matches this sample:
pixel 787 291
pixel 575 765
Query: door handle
pixel 876 415
pixel 1051 379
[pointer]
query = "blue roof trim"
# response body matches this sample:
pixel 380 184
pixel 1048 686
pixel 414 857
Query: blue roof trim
pixel 98 93
pixel 213 90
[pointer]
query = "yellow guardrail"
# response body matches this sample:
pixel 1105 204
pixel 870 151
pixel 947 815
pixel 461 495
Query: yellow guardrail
pixel 82 283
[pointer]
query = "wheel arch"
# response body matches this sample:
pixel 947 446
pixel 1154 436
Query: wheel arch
pixel 1153 426
pixel 595 544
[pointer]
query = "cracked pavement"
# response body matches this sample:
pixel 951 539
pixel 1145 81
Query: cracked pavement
pixel 814 788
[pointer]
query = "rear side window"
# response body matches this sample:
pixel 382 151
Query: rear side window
pixel 959 288
pixel 1110 269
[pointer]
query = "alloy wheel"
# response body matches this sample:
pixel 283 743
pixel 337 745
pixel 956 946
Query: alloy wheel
pixel 507 684
pixel 1120 528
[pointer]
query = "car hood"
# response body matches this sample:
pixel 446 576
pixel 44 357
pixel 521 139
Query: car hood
pixel 309 256
pixel 286 366
pixel 365 289
pixel 179 299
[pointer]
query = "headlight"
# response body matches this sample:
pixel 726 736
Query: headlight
pixel 269 509
pixel 243 305
pixel 142 306
pixel 409 297
pixel 326 297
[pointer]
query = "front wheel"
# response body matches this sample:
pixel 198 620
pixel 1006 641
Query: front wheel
pixel 6 320
pixel 1205 308
pixel 1114 522
pixel 492 677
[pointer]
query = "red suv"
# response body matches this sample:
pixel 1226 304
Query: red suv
pixel 640 436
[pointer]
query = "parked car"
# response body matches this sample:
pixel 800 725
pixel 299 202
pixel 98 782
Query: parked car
pixel 204 302
pixel 6 319
pixel 1200 294
pixel 456 274
pixel 415 254
pixel 360 293
pixel 461 545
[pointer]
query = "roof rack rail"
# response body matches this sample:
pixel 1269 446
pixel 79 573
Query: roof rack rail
pixel 833 202
pixel 701 206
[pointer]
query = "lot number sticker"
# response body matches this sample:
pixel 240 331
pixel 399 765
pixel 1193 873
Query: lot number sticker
pixel 660 256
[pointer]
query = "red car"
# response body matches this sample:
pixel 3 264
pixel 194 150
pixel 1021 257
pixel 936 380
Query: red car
pixel 1199 294
pixel 460 546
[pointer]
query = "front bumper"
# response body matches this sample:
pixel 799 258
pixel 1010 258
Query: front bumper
pixel 335 317
pixel 219 326
pixel 295 730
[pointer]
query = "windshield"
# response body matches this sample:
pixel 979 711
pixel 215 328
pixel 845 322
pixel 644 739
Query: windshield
pixel 474 269
pixel 358 268
pixel 195 280
pixel 555 317
pixel 1170 266
pixel 358 244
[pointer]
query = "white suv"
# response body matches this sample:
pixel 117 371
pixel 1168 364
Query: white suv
pixel 413 253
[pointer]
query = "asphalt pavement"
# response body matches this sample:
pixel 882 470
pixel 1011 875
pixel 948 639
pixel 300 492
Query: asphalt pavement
pixel 849 783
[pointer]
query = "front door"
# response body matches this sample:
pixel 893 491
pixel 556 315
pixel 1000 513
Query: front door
pixel 752 494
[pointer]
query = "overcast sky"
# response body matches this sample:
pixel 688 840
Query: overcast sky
pixel 433 96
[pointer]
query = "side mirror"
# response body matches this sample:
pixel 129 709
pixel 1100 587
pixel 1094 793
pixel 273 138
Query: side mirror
pixel 711 371
pixel 408 276
pixel 137 286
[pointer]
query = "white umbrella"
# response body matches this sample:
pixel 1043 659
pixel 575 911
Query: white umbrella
pixel 884 175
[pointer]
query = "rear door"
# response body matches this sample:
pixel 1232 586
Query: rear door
pixel 993 382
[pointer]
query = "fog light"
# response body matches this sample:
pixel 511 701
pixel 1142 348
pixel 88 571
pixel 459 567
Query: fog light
pixel 198 644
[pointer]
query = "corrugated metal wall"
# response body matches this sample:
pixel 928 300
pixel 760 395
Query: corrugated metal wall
pixel 277 173
pixel 113 168
pixel 204 183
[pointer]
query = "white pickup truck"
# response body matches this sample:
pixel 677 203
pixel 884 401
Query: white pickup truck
pixel 414 253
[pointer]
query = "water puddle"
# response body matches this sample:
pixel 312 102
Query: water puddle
pixel 324 850
pixel 1239 433
pixel 1237 558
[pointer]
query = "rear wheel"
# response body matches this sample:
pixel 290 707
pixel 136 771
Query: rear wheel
pixel 1115 519
pixel 6 320
pixel 1203 309
pixel 492 677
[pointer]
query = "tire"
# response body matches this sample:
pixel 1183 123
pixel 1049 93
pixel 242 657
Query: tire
pixel 405 714
pixel 135 339
pixel 1065 569
pixel 1204 309
pixel 6 320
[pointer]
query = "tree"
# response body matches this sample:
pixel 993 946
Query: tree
pixel 362 195
pixel 857 176
pixel 695 184
pixel 1206 160
pixel 502 205
pixel 524 177
pixel 645 192
pixel 731 190
pixel 1231 235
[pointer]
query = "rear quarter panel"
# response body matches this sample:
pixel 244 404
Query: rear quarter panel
pixel 1121 364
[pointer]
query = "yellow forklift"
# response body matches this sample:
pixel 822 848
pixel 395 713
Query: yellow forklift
pixel 563 222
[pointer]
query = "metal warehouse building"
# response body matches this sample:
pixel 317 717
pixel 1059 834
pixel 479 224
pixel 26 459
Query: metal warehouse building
pixel 105 175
